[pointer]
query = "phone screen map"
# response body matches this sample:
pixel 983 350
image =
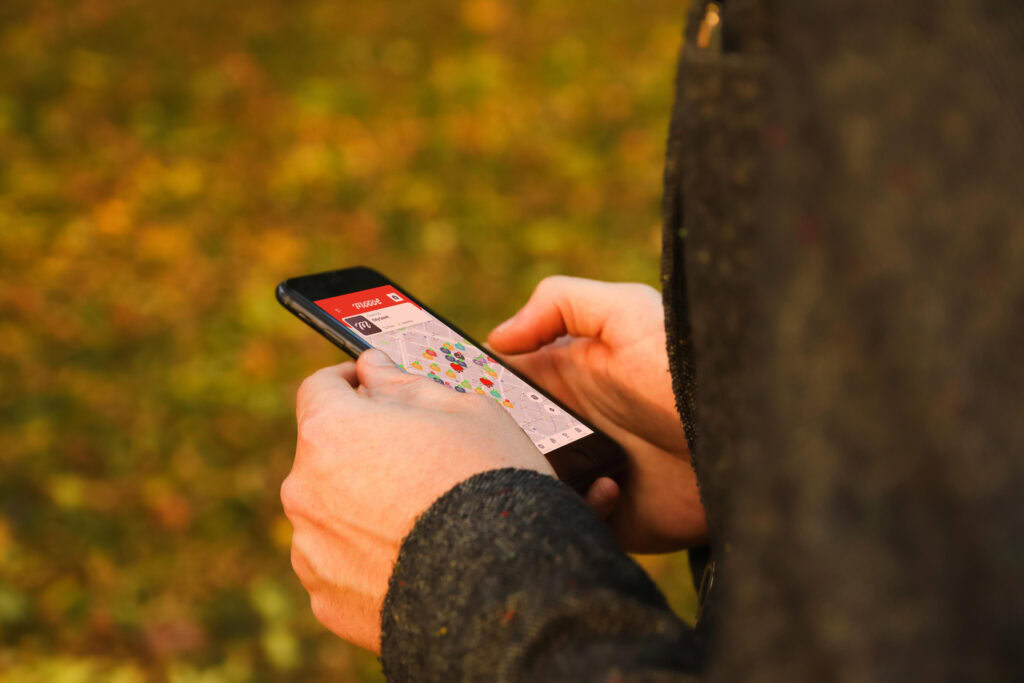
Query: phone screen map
pixel 421 344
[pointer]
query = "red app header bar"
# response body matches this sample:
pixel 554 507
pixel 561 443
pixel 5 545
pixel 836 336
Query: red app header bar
pixel 362 302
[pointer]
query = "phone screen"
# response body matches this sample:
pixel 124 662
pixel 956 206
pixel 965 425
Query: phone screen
pixel 421 344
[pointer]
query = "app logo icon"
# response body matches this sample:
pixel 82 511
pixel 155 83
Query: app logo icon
pixel 394 297
pixel 362 325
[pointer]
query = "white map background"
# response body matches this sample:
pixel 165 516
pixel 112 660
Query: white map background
pixel 412 347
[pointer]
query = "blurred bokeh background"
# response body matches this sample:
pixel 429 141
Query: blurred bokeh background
pixel 163 164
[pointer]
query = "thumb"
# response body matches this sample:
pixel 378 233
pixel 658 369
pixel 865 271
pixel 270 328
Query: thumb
pixel 559 305
pixel 377 373
pixel 603 496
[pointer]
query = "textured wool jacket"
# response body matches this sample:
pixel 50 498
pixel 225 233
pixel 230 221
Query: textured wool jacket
pixel 843 277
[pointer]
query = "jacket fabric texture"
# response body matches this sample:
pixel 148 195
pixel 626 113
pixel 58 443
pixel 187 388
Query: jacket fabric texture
pixel 843 276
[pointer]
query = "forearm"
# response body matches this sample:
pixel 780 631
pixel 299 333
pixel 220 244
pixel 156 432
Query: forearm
pixel 510 576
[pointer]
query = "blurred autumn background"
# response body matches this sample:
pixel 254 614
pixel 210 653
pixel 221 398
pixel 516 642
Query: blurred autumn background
pixel 162 166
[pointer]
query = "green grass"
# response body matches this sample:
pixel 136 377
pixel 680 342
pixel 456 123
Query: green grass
pixel 162 166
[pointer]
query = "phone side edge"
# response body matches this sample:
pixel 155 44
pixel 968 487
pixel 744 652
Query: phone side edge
pixel 314 317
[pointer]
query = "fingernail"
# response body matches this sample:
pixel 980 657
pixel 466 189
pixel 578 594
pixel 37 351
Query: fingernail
pixel 378 358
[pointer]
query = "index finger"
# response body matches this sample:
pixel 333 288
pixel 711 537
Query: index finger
pixel 333 383
pixel 559 305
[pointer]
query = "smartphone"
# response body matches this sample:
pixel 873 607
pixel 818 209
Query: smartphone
pixel 358 309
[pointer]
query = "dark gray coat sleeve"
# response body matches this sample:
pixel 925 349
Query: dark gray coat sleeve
pixel 511 577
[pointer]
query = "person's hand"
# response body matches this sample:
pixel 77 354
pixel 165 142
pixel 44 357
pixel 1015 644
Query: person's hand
pixel 369 461
pixel 600 348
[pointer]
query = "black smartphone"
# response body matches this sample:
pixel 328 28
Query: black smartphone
pixel 358 309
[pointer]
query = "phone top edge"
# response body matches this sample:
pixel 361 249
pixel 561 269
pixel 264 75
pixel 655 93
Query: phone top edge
pixel 281 293
pixel 338 271
pixel 329 283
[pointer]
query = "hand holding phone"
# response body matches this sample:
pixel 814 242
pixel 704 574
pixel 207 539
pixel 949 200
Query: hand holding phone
pixel 600 348
pixel 368 463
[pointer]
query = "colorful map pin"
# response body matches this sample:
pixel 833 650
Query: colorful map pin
pixel 416 364
pixel 456 367
pixel 486 382
pixel 507 403
pixel 458 354
pixel 495 393
pixel 435 367
pixel 460 390
pixel 460 347
pixel 431 353
pixel 479 390
pixel 450 374
pixel 491 359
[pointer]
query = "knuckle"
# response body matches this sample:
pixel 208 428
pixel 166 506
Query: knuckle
pixel 307 428
pixel 633 295
pixel 306 390
pixel 298 563
pixel 320 608
pixel 362 361
pixel 312 389
pixel 644 290
pixel 312 427
pixel 307 432
pixel 301 563
pixel 290 495
pixel 552 283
